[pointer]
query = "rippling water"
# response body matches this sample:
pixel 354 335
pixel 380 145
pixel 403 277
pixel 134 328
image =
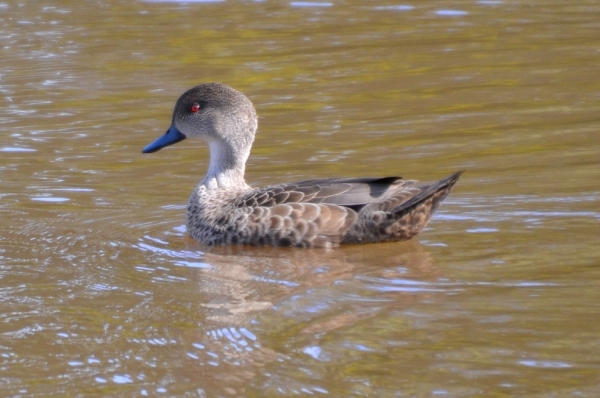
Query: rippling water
pixel 103 294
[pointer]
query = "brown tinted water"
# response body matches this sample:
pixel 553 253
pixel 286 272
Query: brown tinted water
pixel 102 294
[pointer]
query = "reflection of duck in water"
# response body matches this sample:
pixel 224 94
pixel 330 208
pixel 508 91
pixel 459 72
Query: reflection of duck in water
pixel 262 307
pixel 239 283
pixel 224 210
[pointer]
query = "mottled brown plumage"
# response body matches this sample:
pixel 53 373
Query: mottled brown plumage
pixel 224 210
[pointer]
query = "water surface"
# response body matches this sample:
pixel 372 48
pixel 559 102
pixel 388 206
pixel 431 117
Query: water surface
pixel 103 294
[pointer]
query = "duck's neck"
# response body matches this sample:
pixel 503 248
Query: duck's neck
pixel 227 166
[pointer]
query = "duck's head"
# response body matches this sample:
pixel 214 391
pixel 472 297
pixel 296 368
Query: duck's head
pixel 213 112
pixel 221 116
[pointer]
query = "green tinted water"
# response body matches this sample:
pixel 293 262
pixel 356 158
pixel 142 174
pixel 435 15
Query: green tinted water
pixel 101 292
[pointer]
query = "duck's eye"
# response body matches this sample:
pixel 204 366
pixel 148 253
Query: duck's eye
pixel 195 108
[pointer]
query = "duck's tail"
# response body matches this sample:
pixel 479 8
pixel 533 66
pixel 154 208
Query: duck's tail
pixel 436 191
pixel 402 216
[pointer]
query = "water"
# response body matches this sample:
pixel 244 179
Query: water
pixel 103 294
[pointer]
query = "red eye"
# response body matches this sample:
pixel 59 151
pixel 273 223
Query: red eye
pixel 195 108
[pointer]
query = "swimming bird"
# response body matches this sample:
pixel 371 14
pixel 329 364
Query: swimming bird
pixel 224 210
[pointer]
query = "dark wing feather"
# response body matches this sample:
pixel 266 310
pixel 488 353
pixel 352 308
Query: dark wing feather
pixel 347 191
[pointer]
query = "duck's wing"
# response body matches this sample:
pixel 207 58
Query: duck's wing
pixel 325 212
pixel 283 216
pixel 312 213
pixel 353 193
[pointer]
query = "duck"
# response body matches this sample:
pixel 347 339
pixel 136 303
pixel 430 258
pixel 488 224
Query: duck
pixel 327 212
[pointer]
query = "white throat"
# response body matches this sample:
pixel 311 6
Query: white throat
pixel 226 168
